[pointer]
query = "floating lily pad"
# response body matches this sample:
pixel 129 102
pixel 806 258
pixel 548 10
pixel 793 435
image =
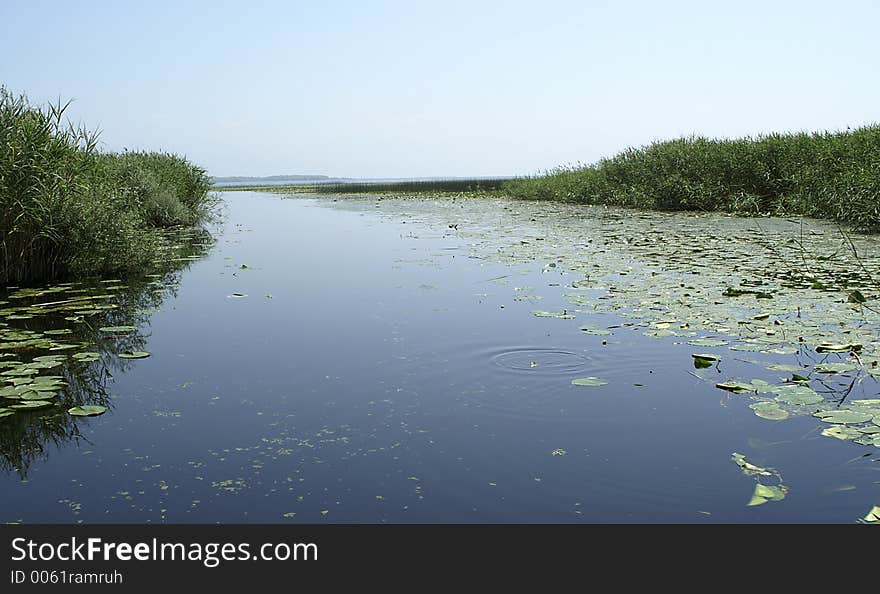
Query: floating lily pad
pixel 709 342
pixel 553 314
pixel 873 516
pixel 799 395
pixel 842 432
pixel 866 402
pixel 237 295
pixel 747 467
pixel 134 355
pixel 737 387
pixel 835 367
pixel 843 417
pixel 838 348
pixel 41 395
pixel 31 404
pixel 765 493
pixel 87 410
pixel 769 410
pixel 589 381
pixel 118 329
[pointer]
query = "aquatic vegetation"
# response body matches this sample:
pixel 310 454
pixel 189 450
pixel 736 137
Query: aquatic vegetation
pixel 87 410
pixel 589 381
pixel 763 493
pixel 833 175
pixel 68 211
pixel 55 367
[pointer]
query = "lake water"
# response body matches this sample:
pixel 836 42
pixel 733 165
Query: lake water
pixel 369 360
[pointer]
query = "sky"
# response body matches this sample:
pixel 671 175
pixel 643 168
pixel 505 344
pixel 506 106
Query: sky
pixel 411 89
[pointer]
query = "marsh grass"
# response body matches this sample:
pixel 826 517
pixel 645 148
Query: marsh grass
pixel 67 210
pixel 830 175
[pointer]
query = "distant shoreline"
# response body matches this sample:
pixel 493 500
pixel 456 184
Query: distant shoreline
pixel 266 178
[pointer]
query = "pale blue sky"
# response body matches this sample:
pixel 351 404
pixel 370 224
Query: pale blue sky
pixel 382 89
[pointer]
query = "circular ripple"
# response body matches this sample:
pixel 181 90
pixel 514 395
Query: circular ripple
pixel 540 361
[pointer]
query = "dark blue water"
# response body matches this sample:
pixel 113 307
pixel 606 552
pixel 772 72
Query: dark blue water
pixel 376 373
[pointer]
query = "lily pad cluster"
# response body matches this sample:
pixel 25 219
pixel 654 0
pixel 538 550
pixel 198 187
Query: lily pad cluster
pixel 763 492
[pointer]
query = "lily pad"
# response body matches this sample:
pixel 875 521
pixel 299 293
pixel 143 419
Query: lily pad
pixel 842 432
pixel 707 342
pixel 736 387
pixel 843 417
pixel 118 329
pixel 873 516
pixel 87 410
pixel 769 410
pixel 553 314
pixel 799 395
pixel 835 367
pixel 31 404
pixel 134 355
pixel 838 348
pixel 747 467
pixel 765 493
pixel 588 381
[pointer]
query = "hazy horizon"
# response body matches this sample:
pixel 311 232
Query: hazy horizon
pixel 451 89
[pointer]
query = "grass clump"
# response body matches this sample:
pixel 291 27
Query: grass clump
pixel 68 210
pixel 831 175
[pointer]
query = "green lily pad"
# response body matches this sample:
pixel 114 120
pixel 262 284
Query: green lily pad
pixel 118 329
pixel 843 417
pixel 866 402
pixel 134 355
pixel 588 381
pixel 31 404
pixel 6 413
pixel 237 295
pixel 747 467
pixel 799 395
pixel 41 395
pixel 784 367
pixel 87 410
pixel 564 315
pixel 842 432
pixel 765 493
pixel 856 296
pixel 873 516
pixel 835 367
pixel 869 440
pixel 838 348
pixel 709 342
pixel 769 410
pixel 737 387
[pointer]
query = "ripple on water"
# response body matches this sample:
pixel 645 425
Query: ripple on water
pixel 540 361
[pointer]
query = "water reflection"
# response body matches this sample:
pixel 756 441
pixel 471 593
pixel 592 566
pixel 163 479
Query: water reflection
pixel 71 335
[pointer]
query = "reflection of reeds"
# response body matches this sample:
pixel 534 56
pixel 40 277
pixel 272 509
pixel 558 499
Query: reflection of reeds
pixel 67 210
pixel 25 437
pixel 831 175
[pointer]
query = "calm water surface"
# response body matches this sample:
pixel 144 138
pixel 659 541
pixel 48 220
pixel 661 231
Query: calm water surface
pixel 380 369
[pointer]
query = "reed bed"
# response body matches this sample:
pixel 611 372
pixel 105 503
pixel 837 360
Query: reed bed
pixel 830 175
pixel 68 210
